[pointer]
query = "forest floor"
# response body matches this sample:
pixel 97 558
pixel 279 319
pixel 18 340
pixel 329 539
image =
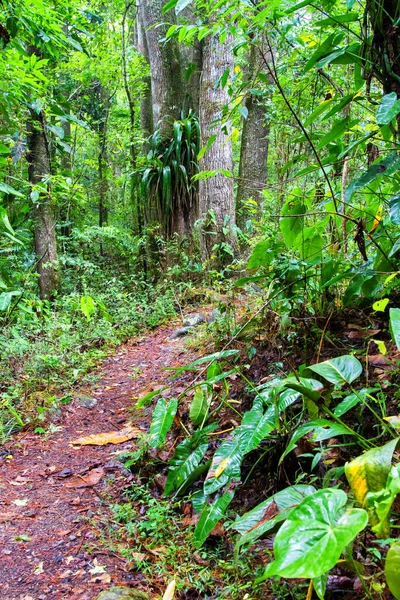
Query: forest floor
pixel 52 492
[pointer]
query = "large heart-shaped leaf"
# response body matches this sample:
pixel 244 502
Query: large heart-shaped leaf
pixel 340 370
pixel 268 515
pixel 322 430
pixel 310 388
pixel 287 498
pixel 209 517
pixel 392 569
pixel 314 535
pixel 394 316
pixel 369 472
pixel 163 417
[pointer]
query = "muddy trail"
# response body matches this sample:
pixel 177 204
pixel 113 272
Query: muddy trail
pixel 50 490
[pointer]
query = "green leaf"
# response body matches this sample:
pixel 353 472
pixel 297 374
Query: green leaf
pixel 225 465
pixel 387 166
pixel 179 473
pixel 388 109
pixel 208 145
pixel 392 569
pixel 292 221
pixel 310 244
pixel 209 517
pixel 394 209
pixel 181 5
pixel 87 306
pixel 318 527
pixel 394 322
pixel 199 406
pixel 287 498
pixel 347 404
pixel 322 430
pixel 310 388
pixel 255 427
pixel 163 417
pixel 261 256
pixel 340 370
pixel 6 299
pixel 7 189
pixel 369 472
pixel 147 398
pixel 337 131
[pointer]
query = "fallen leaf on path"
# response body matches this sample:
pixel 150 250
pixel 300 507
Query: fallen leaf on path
pixel 99 573
pixel 91 478
pixel 39 569
pixel 69 559
pixel 21 501
pixel 170 591
pixel 20 481
pixel 110 437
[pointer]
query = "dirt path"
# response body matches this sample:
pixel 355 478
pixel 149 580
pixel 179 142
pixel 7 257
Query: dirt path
pixel 45 536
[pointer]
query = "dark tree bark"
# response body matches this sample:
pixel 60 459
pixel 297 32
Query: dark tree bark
pixel 255 140
pixel 146 112
pixel 45 234
pixel 167 85
pixel 216 196
pixel 383 52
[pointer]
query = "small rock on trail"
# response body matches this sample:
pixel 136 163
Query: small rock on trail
pixel 119 593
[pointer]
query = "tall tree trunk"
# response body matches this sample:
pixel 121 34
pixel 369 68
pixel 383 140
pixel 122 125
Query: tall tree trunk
pixel 254 146
pixel 383 52
pixel 167 85
pixel 216 196
pixel 45 233
pixel 146 102
pixel 134 196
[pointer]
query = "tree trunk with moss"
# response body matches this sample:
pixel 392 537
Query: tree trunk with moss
pixel 167 85
pixel 45 232
pixel 216 195
pixel 254 145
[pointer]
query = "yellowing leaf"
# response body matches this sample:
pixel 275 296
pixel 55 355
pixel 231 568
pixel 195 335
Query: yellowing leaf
pixel 39 569
pixel 170 591
pixel 221 467
pixel 394 421
pixel 378 218
pixel 110 437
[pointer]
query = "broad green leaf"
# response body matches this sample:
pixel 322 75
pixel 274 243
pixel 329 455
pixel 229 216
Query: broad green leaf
pixel 388 109
pixel 394 209
pixel 255 427
pixel 225 465
pixel 147 398
pixel 318 527
pixel 319 110
pixel 356 143
pixel 392 569
pixel 199 406
pixel 337 130
pixel 179 475
pixel 204 359
pixel 209 517
pixel 339 106
pixel 287 498
pixel 261 256
pixel 292 221
pixel 369 472
pixel 340 370
pixel 208 145
pixel 387 166
pixel 347 404
pixel 6 299
pixel 322 430
pixel 8 189
pixel 310 388
pixel 310 244
pixel 327 47
pixel 394 321
pixel 379 504
pixel 87 306
pixel 163 417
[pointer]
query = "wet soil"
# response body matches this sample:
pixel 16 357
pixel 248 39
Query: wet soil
pixel 48 547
